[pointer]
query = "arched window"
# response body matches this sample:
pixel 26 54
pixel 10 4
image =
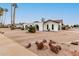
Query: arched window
pixel 30 25
pixel 52 26
pixel 26 27
pixel 37 27
pixel 47 26
pixel 58 27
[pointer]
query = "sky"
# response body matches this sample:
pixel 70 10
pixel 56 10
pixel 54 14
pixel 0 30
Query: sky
pixel 29 12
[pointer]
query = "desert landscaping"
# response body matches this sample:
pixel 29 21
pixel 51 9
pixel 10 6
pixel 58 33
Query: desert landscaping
pixel 63 39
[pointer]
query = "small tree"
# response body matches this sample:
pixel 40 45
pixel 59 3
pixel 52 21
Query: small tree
pixel 65 27
pixel 12 27
pixel 22 28
pixel 31 29
pixel 76 25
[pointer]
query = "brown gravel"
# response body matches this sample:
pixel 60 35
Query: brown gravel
pixel 62 38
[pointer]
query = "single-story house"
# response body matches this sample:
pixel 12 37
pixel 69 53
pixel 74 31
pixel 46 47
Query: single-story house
pixel 49 25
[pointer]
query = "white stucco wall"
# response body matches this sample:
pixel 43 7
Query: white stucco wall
pixel 50 26
pixel 60 26
pixel 40 24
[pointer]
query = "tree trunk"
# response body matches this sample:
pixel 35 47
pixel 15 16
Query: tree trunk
pixel 4 17
pixel 14 11
pixel 11 15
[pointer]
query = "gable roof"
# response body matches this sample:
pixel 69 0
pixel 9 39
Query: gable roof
pixel 56 21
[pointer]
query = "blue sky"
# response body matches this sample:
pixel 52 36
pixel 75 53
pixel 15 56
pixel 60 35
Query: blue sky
pixel 29 12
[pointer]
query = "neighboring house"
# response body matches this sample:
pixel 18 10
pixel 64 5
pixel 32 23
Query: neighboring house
pixel 19 25
pixel 49 25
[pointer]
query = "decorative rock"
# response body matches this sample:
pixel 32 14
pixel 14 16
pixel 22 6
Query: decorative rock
pixel 54 48
pixel 36 42
pixel 28 46
pixel 1 32
pixel 52 42
pixel 44 41
pixel 40 45
pixel 74 43
pixel 59 47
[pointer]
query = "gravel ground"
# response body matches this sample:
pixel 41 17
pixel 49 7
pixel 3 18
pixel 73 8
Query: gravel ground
pixel 66 36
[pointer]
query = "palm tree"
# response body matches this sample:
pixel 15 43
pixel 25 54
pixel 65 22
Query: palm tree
pixel 5 11
pixel 43 23
pixel 13 12
pixel 1 13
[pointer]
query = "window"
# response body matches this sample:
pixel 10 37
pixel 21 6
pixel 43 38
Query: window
pixel 37 27
pixel 52 26
pixel 47 26
pixel 58 27
pixel 26 27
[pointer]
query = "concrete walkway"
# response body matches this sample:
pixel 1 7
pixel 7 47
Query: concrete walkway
pixel 11 48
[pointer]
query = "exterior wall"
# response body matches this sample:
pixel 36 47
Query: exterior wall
pixel 60 26
pixel 40 24
pixel 50 26
pixel 19 25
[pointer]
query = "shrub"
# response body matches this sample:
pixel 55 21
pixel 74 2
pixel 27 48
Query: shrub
pixel 76 25
pixel 65 27
pixel 22 28
pixel 12 27
pixel 3 26
pixel 31 29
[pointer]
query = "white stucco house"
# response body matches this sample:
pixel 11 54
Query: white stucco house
pixel 49 25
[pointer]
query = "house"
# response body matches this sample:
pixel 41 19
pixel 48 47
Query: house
pixel 49 25
pixel 19 25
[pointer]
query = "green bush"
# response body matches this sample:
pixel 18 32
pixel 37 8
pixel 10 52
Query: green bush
pixel 12 27
pixel 76 25
pixel 31 29
pixel 22 28
pixel 3 26
pixel 65 27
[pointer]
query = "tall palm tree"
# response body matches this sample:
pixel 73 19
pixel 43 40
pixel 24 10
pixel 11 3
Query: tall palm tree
pixel 43 22
pixel 1 14
pixel 5 11
pixel 1 11
pixel 13 12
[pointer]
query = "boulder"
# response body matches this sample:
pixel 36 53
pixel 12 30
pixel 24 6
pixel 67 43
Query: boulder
pixel 52 42
pixel 74 43
pixel 28 46
pixel 40 45
pixel 44 41
pixel 54 48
